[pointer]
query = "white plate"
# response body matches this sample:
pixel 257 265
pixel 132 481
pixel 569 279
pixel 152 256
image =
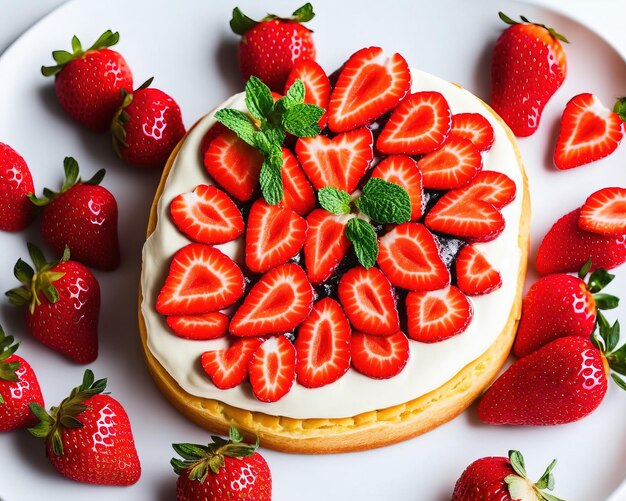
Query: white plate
pixel 191 52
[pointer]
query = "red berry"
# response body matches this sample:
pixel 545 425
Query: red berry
pixel 16 183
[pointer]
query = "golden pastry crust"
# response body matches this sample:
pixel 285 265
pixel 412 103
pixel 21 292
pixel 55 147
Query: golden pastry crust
pixel 367 430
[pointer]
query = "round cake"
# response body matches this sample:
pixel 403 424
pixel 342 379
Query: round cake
pixel 440 379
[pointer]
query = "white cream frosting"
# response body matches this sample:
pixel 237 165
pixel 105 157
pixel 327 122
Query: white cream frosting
pixel 429 366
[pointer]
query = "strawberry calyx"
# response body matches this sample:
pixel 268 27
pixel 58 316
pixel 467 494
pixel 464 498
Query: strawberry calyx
pixel 121 118
pixel 199 459
pixel 597 281
pixel 240 23
pixel 620 108
pixel 63 57
pixel 65 415
pixel 520 487
pixel 605 338
pixel 512 22
pixel 7 369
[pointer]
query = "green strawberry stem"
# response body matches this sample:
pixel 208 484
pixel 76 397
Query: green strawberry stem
pixel 598 280
pixel 7 369
pixel 65 416
pixel 520 486
pixel 121 118
pixel 606 337
pixel 552 31
pixel 620 108
pixel 199 459
pixel 240 23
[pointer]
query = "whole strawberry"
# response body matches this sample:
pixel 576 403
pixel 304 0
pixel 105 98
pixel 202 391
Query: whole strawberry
pixel 562 305
pixel 528 65
pixel 88 83
pixel 147 127
pixel 88 436
pixel 63 299
pixel 269 48
pixel 222 471
pixel 18 387
pixel 502 479
pixel 16 183
pixel 83 217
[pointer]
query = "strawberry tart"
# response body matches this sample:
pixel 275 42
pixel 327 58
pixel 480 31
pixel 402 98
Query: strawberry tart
pixel 338 268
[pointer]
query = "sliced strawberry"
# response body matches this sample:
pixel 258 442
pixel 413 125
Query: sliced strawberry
pixel 234 165
pixel 216 129
pixel 368 300
pixel 340 162
pixel 207 215
pixel 379 357
pixel 325 245
pixel 274 235
pixel 589 132
pixel 228 368
pixel 210 325
pixel 316 84
pixel 403 170
pixel 437 315
pixel 368 86
pixel 278 302
pixel 299 194
pixel 475 127
pixel 323 345
pixel 451 166
pixel 201 279
pixel 474 274
pixel 272 369
pixel 420 124
pixel 409 256
pixel 604 212
pixel 491 187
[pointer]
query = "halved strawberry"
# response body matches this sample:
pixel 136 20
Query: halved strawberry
pixel 475 127
pixel 325 245
pixel 201 279
pixel 210 325
pixel 379 357
pixel 216 129
pixel 368 300
pixel 420 124
pixel 403 171
pixel 451 166
pixel 339 162
pixel 316 84
pixel 278 302
pixel 274 235
pixel 437 315
pixel 299 195
pixel 207 215
pixel 228 368
pixel 368 86
pixel 409 256
pixel 234 165
pixel 323 345
pixel 474 274
pixel 272 369
pixel 491 187
pixel 604 212
pixel 589 132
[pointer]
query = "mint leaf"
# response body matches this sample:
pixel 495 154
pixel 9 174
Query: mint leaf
pixel 271 177
pixel 259 98
pixel 239 122
pixel 384 202
pixel 620 108
pixel 301 120
pixel 295 94
pixel 364 240
pixel 276 134
pixel 262 143
pixel 334 200
pixel 304 13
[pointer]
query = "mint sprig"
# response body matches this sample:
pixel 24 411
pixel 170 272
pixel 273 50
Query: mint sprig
pixel 385 202
pixel 364 240
pixel 334 200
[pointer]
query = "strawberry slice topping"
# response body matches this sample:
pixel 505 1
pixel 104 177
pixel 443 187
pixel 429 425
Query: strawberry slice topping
pixel 323 345
pixel 379 357
pixel 234 165
pixel 272 369
pixel 207 215
pixel 210 325
pixel 340 162
pixel 299 195
pixel 216 129
pixel 474 274
pixel 403 171
pixel 491 187
pixel 325 245
pixel 420 124
pixel 278 302
pixel 604 212
pixel 274 235
pixel 368 300
pixel 228 368
pixel 409 256
pixel 316 84
pixel 475 127
pixel 368 86
pixel 201 279
pixel 437 315
pixel 453 165
pixel 589 132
